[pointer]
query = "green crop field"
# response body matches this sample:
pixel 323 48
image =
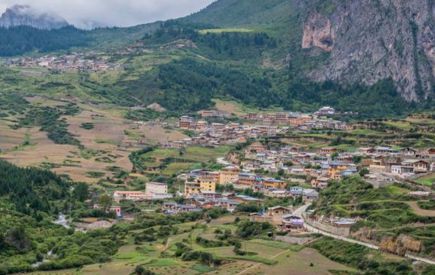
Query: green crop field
pixel 223 30
pixel 428 180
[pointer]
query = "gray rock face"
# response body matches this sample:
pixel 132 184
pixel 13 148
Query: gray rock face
pixel 371 40
pixel 318 33
pixel 22 15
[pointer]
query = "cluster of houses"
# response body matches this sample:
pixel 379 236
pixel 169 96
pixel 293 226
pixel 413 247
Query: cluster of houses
pixel 297 166
pixel 297 169
pixel 212 134
pixel 316 168
pixel 326 164
pixel 280 216
pixel 257 125
pixel 387 165
pixel 200 191
pixel 303 122
pixel 153 191
pixel 70 62
pixel 204 183
pixel 286 220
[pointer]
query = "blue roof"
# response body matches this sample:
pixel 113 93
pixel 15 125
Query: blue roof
pixel 247 198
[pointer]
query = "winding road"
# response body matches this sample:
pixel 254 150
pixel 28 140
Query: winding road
pixel 300 213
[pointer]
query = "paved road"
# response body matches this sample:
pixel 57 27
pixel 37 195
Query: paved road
pixel 315 230
pixel 301 210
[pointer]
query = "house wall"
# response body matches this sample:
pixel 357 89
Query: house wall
pixel 341 231
pixel 156 188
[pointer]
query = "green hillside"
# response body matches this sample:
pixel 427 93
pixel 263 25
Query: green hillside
pixel 244 50
pixel 20 40
pixel 248 13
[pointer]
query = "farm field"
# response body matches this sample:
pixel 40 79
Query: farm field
pixel 223 30
pixel 272 257
pixel 173 161
pixel 238 109
pixel 106 140
pixel 427 180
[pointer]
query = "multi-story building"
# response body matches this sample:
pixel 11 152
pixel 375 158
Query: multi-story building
pixel 247 179
pixel 229 174
pixel 256 147
pixel 199 186
pixel 201 125
pixel 192 188
pixel 273 183
pixel 157 191
pixel 207 186
pixel 186 122
pixel 129 195
pixel 209 176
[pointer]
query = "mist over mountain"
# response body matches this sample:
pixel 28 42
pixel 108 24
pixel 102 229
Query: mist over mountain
pixel 24 15
pixel 119 13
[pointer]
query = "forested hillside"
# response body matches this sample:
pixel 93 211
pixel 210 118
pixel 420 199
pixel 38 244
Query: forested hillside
pixel 29 198
pixel 31 190
pixel 262 53
pixel 258 13
pixel 364 41
pixel 20 40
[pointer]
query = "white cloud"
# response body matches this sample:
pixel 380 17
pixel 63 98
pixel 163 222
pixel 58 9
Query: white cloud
pixel 114 12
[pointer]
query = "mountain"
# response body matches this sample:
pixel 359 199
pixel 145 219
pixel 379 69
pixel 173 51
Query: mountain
pixel 372 57
pixel 23 15
pixel 353 41
pixel 230 13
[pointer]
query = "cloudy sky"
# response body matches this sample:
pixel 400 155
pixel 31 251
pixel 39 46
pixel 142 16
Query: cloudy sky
pixel 114 12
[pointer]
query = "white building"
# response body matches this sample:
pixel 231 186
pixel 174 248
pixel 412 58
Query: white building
pixel 325 111
pixel 157 191
pixel 396 169
pixel 128 195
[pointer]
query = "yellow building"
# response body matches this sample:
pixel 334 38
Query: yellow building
pixel 274 183
pixel 207 186
pixel 229 175
pixel 191 188
pixel 199 186
pixel 335 171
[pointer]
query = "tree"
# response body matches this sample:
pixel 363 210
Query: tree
pixel 247 229
pixel 105 202
pixel 17 238
pixel 364 172
pixel 81 192
pixel 356 159
pixel 289 163
pixel 2 242
pixel 140 270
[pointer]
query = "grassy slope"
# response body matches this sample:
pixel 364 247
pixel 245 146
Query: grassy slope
pixel 231 13
pixel 282 20
pixel 114 37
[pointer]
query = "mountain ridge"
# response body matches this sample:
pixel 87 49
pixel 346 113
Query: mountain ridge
pixel 365 41
pixel 298 55
pixel 25 15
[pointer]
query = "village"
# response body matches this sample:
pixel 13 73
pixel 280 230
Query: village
pixel 285 173
pixel 86 62
pixel 252 126
pixel 259 171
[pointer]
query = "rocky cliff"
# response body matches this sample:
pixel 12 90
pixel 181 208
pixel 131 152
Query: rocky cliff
pixel 371 40
pixel 22 15
pixel 345 41
pixel 318 32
